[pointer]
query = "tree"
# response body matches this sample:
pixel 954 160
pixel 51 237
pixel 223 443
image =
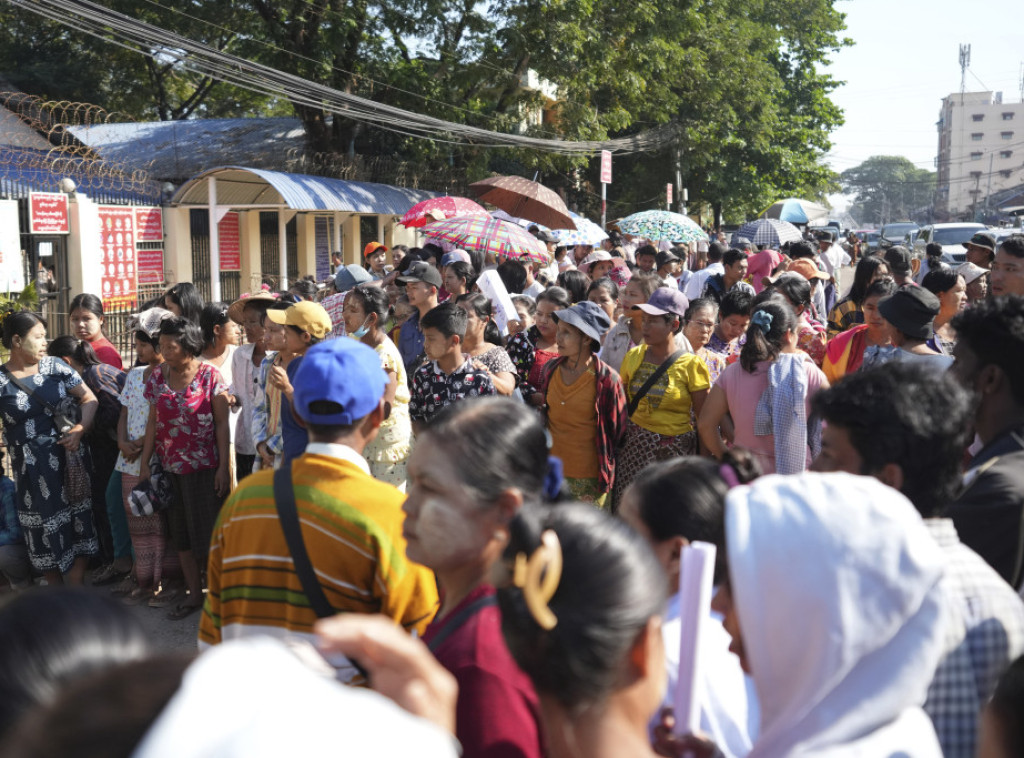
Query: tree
pixel 888 188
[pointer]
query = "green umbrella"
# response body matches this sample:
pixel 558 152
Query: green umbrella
pixel 662 225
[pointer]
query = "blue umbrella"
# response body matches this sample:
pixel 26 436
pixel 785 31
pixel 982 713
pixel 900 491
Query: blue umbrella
pixel 797 211
pixel 585 233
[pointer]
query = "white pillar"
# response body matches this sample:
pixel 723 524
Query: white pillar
pixel 85 258
pixel 282 247
pixel 214 241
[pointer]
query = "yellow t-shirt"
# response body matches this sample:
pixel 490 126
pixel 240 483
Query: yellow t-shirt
pixel 665 409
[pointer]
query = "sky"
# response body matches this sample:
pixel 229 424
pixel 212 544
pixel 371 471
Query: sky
pixel 905 60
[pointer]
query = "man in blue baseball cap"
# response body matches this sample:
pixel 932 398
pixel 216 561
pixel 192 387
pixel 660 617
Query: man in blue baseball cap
pixel 349 524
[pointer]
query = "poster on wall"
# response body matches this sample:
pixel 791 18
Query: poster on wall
pixel 230 243
pixel 150 265
pixel 117 251
pixel 48 213
pixel 12 267
pixel 322 247
pixel 149 224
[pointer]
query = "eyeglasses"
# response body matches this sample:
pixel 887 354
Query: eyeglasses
pixel 705 325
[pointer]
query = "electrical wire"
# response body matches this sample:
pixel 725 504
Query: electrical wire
pixel 160 44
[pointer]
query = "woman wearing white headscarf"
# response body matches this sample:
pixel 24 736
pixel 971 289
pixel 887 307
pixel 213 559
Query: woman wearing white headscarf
pixel 834 607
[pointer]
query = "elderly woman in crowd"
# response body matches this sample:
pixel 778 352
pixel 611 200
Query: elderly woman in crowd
pixel 472 470
pixel 188 431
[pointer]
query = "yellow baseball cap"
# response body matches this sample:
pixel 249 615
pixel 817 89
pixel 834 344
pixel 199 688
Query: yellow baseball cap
pixel 307 316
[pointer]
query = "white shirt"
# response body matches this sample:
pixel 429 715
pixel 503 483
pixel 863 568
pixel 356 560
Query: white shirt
pixel 339 451
pixel 534 289
pixel 695 287
pixel 833 258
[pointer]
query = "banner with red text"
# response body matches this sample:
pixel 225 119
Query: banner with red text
pixel 117 254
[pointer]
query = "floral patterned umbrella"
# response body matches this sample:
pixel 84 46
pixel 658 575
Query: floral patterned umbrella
pixel 662 225
pixel 488 235
pixel 447 205
pixel 585 233
pixel 524 198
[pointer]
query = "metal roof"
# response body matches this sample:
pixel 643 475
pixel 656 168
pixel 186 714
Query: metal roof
pixel 242 186
pixel 176 150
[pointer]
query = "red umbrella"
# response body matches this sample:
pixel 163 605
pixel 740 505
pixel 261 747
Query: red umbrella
pixel 446 205
pixel 521 197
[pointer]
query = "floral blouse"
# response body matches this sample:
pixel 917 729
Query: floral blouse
pixel 133 400
pixel 185 438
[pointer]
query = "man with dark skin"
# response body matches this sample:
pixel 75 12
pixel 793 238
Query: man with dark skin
pixel 981 249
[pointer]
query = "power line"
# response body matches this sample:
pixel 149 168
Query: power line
pixel 162 44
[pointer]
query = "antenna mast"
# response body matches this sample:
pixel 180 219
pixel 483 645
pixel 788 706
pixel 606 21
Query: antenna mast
pixel 965 63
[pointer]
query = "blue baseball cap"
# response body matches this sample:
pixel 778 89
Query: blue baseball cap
pixel 343 373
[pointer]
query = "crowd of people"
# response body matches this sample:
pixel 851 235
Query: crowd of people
pixel 481 514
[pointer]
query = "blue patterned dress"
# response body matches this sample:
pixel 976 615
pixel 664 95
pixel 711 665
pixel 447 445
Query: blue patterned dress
pixel 56 531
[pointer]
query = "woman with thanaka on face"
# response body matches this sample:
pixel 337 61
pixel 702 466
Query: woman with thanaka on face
pixel 733 320
pixel 604 293
pixel 628 332
pixel 698 326
pixel 482 342
pixel 586 405
pixel 851 682
pixel 59 533
pixel 660 425
pixel 87 320
pixel 581 609
pixel 760 392
pixel 671 504
pixel 844 353
pixel 388 453
pixel 472 470
pixel 848 312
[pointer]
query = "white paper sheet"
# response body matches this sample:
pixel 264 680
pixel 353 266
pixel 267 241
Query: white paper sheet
pixel 696 575
pixel 493 288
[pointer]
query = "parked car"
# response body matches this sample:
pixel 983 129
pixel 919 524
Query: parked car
pixel 894 233
pixel 951 237
pixel 869 239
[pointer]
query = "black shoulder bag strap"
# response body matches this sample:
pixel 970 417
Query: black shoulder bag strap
pixel 463 616
pixel 284 496
pixel 651 381
pixel 26 389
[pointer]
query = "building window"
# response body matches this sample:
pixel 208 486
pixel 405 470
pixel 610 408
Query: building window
pixel 974 192
pixel 975 156
pixel 975 174
pixel 1006 135
pixel 978 116
pixel 1005 173
pixel 1005 153
pixel 1008 116
pixel 976 136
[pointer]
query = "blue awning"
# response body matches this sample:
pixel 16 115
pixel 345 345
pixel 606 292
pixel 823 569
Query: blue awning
pixel 238 186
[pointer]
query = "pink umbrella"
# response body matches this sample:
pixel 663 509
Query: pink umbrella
pixel 488 235
pixel 440 207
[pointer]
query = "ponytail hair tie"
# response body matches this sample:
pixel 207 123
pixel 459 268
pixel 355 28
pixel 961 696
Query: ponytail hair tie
pixel 728 474
pixel 553 478
pixel 763 321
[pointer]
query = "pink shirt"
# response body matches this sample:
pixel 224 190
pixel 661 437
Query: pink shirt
pixel 743 392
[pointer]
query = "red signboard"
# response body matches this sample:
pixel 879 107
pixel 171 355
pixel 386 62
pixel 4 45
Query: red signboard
pixel 149 225
pixel 151 266
pixel 117 250
pixel 48 213
pixel 230 243
pixel 606 167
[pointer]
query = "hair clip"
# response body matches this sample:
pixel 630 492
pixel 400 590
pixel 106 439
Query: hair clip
pixel 538 577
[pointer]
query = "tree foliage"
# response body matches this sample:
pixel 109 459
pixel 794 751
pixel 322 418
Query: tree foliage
pixel 888 188
pixel 742 79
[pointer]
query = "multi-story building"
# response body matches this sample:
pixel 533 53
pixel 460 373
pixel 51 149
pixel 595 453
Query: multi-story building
pixel 981 153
